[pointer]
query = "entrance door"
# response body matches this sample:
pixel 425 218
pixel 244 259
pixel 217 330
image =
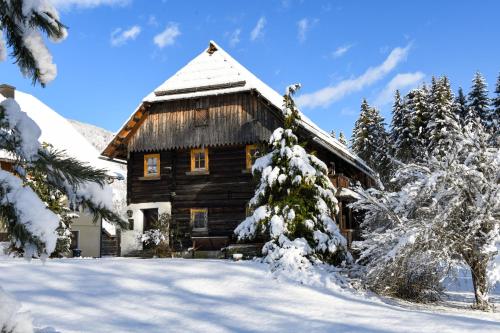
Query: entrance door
pixel 150 219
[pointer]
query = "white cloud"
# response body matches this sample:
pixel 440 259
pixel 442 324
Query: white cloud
pixel 341 50
pixel 168 36
pixel 69 4
pixel 304 26
pixel 258 31
pixel 330 94
pixel 400 81
pixel 234 37
pixel 120 37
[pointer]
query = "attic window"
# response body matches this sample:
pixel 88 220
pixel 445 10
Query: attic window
pixel 201 117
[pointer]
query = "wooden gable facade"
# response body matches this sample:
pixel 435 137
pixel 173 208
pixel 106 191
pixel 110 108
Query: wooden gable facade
pixel 192 156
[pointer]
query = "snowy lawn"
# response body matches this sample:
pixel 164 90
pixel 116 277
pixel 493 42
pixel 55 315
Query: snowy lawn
pixel 172 295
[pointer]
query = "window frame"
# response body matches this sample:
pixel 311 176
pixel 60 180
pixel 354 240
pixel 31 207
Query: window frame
pixel 195 151
pixel 248 156
pixel 148 156
pixel 192 213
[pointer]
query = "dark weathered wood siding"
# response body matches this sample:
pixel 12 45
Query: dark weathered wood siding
pixel 232 119
pixel 225 191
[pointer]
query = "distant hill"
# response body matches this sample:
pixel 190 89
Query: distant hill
pixel 97 136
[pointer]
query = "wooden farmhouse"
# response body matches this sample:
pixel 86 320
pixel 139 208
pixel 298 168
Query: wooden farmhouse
pixel 189 148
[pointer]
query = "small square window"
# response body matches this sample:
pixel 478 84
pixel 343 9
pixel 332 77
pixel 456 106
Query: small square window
pixel 251 155
pixel 199 159
pixel 199 219
pixel 201 117
pixel 151 165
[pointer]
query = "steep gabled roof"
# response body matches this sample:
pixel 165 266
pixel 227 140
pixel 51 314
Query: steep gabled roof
pixel 215 72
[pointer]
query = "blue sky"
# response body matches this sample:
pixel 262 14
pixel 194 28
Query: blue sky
pixel 118 51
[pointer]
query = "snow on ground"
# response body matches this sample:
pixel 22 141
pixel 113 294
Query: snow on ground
pixel 172 295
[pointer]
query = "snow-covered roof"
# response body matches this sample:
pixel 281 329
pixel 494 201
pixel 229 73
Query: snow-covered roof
pixel 60 133
pixel 215 72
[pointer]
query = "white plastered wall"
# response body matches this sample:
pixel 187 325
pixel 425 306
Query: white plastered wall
pixel 130 238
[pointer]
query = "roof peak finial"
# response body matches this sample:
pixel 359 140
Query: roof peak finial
pixel 211 47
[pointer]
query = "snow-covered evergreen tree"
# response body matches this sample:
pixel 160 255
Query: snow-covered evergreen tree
pixel 460 107
pixel 443 125
pixel 479 101
pixel 417 102
pixel 495 105
pixel 294 204
pixel 22 23
pixel 342 139
pixel 401 128
pixel 447 213
pixel 32 227
pixel 370 141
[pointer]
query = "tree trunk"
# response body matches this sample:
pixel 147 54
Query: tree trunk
pixel 479 279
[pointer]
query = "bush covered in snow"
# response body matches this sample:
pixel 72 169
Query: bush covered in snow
pixel 294 204
pixel 12 320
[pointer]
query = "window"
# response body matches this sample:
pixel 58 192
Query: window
pixel 201 117
pixel 75 240
pixel 251 155
pixel 152 165
pixel 199 159
pixel 199 219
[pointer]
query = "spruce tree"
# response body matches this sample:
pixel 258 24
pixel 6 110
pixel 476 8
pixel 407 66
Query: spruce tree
pixel 479 101
pixel 419 112
pixel 342 139
pixel 460 106
pixel 294 204
pixel 401 128
pixel 495 105
pixel 371 141
pixel 443 125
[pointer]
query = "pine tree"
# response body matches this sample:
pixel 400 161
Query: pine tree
pixel 333 134
pixel 371 141
pixel 460 106
pixel 342 139
pixel 402 147
pixel 417 102
pixel 479 101
pixel 495 105
pixel 22 22
pixel 443 125
pixel 294 204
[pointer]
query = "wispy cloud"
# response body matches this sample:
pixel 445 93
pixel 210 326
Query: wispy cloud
pixel 400 81
pixel 121 37
pixel 258 30
pixel 234 37
pixel 168 36
pixel 152 21
pixel 304 26
pixel 70 4
pixel 330 94
pixel 341 50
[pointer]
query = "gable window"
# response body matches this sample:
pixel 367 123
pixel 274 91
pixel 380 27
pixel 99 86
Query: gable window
pixel 152 165
pixel 199 219
pixel 251 155
pixel 201 117
pixel 199 159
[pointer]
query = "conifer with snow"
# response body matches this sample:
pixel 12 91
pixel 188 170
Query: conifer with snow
pixel 342 138
pixel 479 101
pixel 495 105
pixel 401 129
pixel 370 140
pixel 460 106
pixel 22 23
pixel 294 204
pixel 447 213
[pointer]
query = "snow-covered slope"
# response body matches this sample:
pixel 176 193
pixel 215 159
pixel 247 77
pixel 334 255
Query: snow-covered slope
pixel 97 136
pixel 59 132
pixel 176 295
